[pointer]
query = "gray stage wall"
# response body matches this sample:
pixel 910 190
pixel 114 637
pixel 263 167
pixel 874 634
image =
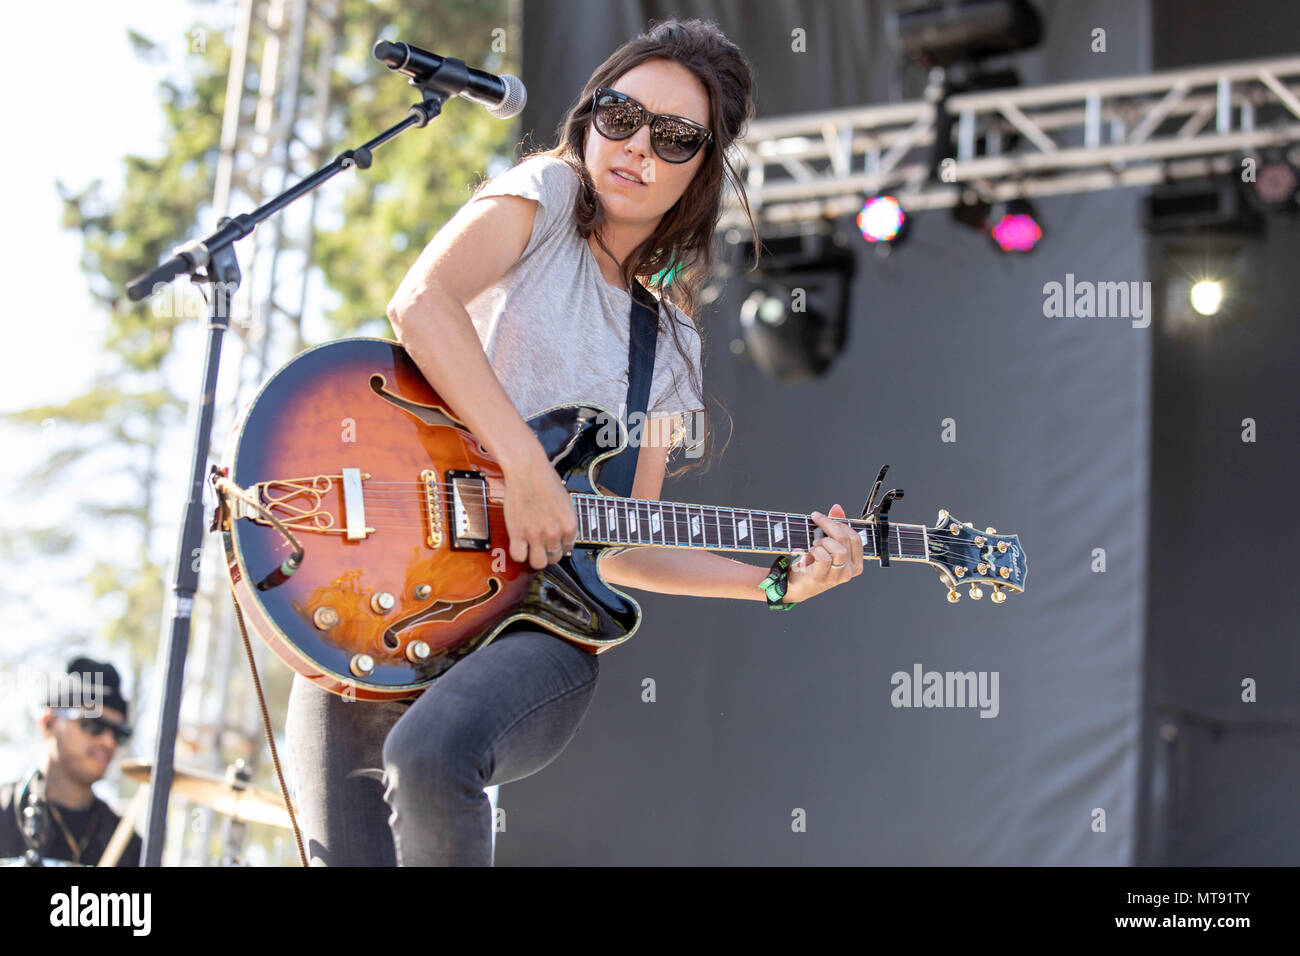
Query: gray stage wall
pixel 760 713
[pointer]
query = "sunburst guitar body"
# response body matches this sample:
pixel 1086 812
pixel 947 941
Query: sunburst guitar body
pixel 398 512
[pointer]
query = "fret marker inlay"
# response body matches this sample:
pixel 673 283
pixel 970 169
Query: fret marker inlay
pixel 646 522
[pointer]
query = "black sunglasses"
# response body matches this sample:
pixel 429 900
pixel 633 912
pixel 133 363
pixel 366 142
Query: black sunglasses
pixel 94 726
pixel 675 139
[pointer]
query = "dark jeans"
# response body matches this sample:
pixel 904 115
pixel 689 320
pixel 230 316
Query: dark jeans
pixel 503 713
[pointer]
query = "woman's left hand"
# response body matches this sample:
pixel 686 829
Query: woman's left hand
pixel 833 560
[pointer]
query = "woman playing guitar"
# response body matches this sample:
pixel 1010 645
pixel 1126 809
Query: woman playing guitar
pixel 520 303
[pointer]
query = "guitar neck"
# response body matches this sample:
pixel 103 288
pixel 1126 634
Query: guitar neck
pixel 633 521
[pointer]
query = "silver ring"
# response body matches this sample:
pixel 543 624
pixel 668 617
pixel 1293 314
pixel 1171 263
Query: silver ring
pixel 838 566
pixel 554 550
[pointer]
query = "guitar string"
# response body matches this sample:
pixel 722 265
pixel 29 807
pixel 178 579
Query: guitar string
pixel 471 494
pixel 712 521
pixel 910 536
pixel 449 497
pixel 713 517
pixel 447 488
pixel 603 501
pixel 447 492
pixel 703 544
pixel 709 522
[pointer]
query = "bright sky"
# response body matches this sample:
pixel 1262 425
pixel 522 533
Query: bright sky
pixel 98 102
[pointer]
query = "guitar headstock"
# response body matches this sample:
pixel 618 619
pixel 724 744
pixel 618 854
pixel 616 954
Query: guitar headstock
pixel 964 555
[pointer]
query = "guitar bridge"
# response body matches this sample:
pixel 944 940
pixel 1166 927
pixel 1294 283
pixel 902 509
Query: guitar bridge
pixel 300 505
pixel 471 529
pixel 432 509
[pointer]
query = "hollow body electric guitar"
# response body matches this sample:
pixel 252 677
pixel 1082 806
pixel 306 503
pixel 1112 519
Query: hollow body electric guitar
pixel 366 542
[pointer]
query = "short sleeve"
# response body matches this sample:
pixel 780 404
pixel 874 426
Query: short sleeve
pixel 552 182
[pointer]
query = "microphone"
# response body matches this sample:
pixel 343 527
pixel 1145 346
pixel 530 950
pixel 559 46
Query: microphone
pixel 504 95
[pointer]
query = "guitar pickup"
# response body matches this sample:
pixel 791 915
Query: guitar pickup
pixel 471 529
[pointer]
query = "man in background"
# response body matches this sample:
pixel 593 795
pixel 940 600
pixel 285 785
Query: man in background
pixel 53 809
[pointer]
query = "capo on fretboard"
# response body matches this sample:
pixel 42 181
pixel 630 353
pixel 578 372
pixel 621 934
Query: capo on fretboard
pixel 878 514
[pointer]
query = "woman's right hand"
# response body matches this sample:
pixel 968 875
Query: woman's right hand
pixel 540 519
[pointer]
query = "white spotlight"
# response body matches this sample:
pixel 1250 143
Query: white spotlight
pixel 1207 296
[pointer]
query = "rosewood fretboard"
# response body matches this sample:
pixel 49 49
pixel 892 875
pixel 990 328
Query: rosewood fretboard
pixel 632 521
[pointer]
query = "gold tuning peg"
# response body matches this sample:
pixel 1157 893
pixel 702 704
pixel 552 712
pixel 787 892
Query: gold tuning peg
pixel 976 592
pixel 953 596
pixel 990 530
pixel 998 595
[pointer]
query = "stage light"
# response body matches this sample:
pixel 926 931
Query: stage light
pixel 1207 296
pixel 881 219
pixel 1205 283
pixel 941 34
pixel 1017 229
pixel 794 321
pixel 972 211
pixel 1277 186
pixel 1223 204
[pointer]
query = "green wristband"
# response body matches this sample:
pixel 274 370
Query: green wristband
pixel 776 583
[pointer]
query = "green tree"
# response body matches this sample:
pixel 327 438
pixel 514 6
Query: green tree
pixel 420 179
pixel 391 210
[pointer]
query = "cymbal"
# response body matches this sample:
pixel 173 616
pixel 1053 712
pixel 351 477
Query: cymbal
pixel 250 804
pixel 22 861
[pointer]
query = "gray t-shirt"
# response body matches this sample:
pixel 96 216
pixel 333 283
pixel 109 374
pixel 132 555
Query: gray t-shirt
pixel 554 331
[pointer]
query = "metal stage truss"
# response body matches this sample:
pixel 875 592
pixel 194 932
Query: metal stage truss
pixel 1018 142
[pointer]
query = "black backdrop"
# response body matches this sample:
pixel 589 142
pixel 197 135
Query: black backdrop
pixel 761 718
pixel 1220 775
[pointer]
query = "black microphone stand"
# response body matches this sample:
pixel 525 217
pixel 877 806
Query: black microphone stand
pixel 32 816
pixel 216 254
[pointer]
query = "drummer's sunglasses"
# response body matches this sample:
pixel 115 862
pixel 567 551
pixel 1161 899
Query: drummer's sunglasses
pixel 94 726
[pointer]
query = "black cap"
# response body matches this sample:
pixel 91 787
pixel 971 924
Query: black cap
pixel 89 682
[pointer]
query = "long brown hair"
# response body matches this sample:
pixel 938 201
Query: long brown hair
pixel 679 254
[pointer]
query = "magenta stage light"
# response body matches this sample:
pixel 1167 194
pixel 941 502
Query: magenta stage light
pixel 1017 232
pixel 881 219
pixel 1276 184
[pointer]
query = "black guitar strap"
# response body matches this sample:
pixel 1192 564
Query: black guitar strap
pixel 618 473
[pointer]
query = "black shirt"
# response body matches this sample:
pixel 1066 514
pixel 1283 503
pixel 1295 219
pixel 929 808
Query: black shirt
pixel 78 822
